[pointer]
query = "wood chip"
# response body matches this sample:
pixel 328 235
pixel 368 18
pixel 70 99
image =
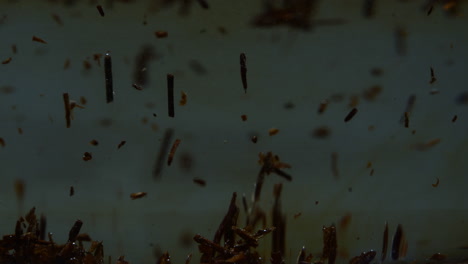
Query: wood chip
pixel 173 150
pixel 37 39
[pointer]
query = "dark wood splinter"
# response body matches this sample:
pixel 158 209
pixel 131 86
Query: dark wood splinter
pixel 351 114
pixel 243 69
pixel 385 243
pixel 108 77
pixel 173 150
pixel 66 101
pixel 397 240
pixel 170 94
pixel 101 11
pixel 162 153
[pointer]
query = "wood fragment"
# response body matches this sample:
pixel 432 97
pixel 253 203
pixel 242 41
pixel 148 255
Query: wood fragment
pixel 279 222
pixel 183 98
pixel 406 114
pixel 427 145
pixel 273 131
pixel 57 19
pixel 323 106
pixel 161 34
pixel 137 195
pixel 436 183
pixel 87 156
pixel 66 101
pixel 409 108
pixel 2 142
pixel 164 149
pixel 188 259
pixel 254 139
pixel 14 49
pixel 385 243
pixel 455 117
pixel 170 94
pixel 142 64
pixel 400 40
pixel 243 70
pixel 350 115
pixel 66 64
pixel 137 87
pixel 433 78
pixel 203 4
pixel 244 117
pixel 397 240
pixel 100 10
pixel 72 191
pixel 364 258
pixel 199 181
pixel 225 227
pixel 37 39
pixel 297 215
pixel 430 10
pixel 329 244
pixel 108 77
pixel 438 257
pixel 173 150
pixel 6 61
pixel 94 142
pixel 121 144
pixel 368 9
pixel 74 231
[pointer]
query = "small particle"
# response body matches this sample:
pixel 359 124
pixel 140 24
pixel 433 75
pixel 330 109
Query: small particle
pixel 6 61
pixel 37 39
pixel 145 20
pixel 105 122
pixel 376 72
pixel 273 131
pixel 350 189
pixel 97 58
pixel 323 106
pixel 14 49
pixel 371 128
pixel 316 202
pixel 297 215
pixel 136 86
pixel 20 189
pixel 66 64
pixel 334 165
pixel 155 115
pixel 426 146
pixel 462 98
pixel 371 172
pixel 345 221
pixel 371 93
pixel 94 142
pixel 222 30
pixel 7 89
pixel 244 117
pixel 57 19
pixel 400 41
pixel 121 144
pixel 203 4
pixel 172 152
pixel 436 183
pixel 434 91
pixel 20 131
pixel 197 67
pixel 137 195
pixel 368 9
pixel 83 100
pixel 438 256
pixel 87 156
pixel 72 191
pixel 455 117
pixel 154 127
pixel 430 9
pixel 351 114
pixel 289 105
pixel 161 34
pixel 183 98
pixel 100 10
pixel 2 142
pixel 369 165
pixel 87 65
pixel 199 181
pixel 433 78
pixel 186 161
pixel 353 101
pixel 254 139
pixel 321 132
pixel 413 132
